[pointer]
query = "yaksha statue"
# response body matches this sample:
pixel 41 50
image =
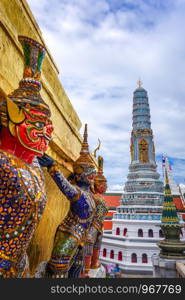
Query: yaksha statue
pixel 71 234
pixel 94 237
pixel 25 133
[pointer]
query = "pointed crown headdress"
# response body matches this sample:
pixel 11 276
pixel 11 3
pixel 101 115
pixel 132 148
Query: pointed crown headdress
pixel 100 176
pixel 84 163
pixel 27 95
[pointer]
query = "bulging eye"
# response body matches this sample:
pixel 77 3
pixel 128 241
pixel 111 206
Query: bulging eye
pixel 40 124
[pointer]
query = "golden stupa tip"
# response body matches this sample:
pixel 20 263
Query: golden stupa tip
pixel 139 83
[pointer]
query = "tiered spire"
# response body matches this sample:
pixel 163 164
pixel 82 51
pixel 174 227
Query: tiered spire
pixel 169 213
pixel 142 145
pixel 85 146
pixel 141 111
pixel 143 187
pixel 84 161
pixel 171 246
pixel 100 176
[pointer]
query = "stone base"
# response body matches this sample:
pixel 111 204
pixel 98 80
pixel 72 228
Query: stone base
pixel 164 267
pixel 97 273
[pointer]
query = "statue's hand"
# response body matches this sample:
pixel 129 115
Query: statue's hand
pixel 46 161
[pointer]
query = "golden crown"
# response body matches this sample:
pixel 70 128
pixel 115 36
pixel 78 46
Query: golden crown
pixel 84 162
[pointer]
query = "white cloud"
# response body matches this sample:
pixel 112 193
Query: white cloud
pixel 102 48
pixel 182 187
pixel 116 187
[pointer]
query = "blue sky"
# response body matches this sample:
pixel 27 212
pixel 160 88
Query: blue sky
pixel 101 48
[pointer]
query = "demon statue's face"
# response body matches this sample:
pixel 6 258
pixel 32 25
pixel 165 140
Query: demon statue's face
pixel 100 186
pixel 87 177
pixel 90 179
pixel 35 132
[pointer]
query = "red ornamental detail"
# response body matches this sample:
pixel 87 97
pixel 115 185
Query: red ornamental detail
pixel 112 254
pixel 104 252
pixel 117 231
pixel 120 256
pixel 125 232
pixel 35 132
pixel 31 136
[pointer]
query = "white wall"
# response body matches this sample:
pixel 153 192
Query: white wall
pixel 127 253
pixel 132 229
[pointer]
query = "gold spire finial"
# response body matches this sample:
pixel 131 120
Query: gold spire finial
pixel 97 148
pixel 85 160
pixel 100 164
pixel 139 83
pixel 85 146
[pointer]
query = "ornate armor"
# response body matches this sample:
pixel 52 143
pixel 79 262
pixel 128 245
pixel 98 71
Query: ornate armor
pixel 22 201
pixel 94 237
pixel 67 255
pixel 25 132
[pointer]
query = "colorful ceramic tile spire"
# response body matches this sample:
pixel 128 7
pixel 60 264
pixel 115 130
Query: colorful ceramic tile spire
pixel 143 186
pixel 169 212
pixel 171 246
pixel 141 203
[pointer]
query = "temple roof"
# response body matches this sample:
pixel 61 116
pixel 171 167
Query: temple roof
pixel 112 199
pixel 178 203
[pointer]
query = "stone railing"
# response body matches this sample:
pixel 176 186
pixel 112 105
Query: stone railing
pixel 138 187
pixel 141 201
pixel 137 217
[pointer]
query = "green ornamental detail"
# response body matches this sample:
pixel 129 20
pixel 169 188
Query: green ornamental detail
pixel 26 49
pixel 169 213
pixel 40 59
pixel 33 54
pixel 171 246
